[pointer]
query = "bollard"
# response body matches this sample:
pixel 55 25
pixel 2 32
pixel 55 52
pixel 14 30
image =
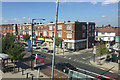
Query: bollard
pixel 22 71
pixel 27 75
pixel 18 69
pixel 32 77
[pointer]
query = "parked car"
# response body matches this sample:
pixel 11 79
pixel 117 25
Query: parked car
pixel 24 44
pixel 45 50
pixel 35 47
pixel 106 78
pixel 65 67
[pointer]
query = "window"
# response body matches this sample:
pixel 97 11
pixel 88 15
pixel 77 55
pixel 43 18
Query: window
pixel 29 27
pixel 20 27
pixel 93 27
pixel 36 33
pixel 93 34
pixel 23 32
pixel 108 32
pixel 117 39
pixel 30 33
pixel 102 33
pixel 59 27
pixel 83 35
pixel 69 27
pixel 83 27
pixel 89 34
pixel 109 38
pixel 69 35
pixel 45 33
pixel 14 27
pixel 89 27
pixel 50 34
pixel 23 28
pixel 59 34
pixel 50 27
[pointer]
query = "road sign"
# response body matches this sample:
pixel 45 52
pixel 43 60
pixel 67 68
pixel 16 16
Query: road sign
pixel 63 45
pixel 39 61
pixel 94 50
pixel 29 46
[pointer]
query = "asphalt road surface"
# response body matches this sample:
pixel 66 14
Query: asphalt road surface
pixel 79 63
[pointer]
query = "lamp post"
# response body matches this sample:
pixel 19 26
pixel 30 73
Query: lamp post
pixel 32 39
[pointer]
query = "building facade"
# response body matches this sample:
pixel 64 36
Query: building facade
pixel 75 35
pixel 106 34
pixel 117 38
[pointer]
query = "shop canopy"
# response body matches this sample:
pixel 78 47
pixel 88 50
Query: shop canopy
pixel 40 41
pixel 4 56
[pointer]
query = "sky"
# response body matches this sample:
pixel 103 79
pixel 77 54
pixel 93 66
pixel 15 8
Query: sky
pixel 102 13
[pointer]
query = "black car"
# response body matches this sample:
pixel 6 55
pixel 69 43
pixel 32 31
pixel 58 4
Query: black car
pixel 24 44
pixel 65 67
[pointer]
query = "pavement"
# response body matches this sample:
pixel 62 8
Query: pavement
pixel 60 52
pixel 105 65
pixel 18 74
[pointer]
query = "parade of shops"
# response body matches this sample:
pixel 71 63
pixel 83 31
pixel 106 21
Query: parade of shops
pixel 75 35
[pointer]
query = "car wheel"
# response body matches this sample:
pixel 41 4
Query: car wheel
pixel 64 70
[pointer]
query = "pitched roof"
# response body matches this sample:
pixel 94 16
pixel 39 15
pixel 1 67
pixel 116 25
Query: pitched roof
pixel 105 29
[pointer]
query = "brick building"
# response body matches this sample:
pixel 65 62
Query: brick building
pixel 76 35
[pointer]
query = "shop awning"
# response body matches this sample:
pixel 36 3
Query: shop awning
pixel 40 41
pixel 4 56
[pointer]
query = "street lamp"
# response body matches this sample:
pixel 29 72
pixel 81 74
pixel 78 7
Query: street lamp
pixel 32 39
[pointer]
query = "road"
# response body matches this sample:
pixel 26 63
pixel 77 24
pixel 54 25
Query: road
pixel 79 62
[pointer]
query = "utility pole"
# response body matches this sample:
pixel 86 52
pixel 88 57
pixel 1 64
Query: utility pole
pixel 87 43
pixel 53 59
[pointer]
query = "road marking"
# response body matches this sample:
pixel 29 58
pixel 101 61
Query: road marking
pixel 102 68
pixel 69 58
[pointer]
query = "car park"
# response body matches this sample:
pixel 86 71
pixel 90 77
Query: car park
pixel 45 50
pixel 65 67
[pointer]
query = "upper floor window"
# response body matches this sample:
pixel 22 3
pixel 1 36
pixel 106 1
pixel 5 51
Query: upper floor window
pixel 93 27
pixel 83 35
pixel 23 28
pixel 59 27
pixel 29 27
pixel 59 34
pixel 50 27
pixel 50 34
pixel 90 27
pixel 83 27
pixel 69 35
pixel 69 27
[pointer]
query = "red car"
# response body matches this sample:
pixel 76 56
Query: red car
pixel 107 78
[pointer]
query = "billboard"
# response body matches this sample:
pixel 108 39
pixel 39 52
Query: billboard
pixel 39 61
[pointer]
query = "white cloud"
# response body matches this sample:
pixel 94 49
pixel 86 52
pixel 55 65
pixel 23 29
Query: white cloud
pixel 23 17
pixel 94 2
pixel 103 16
pixel 107 2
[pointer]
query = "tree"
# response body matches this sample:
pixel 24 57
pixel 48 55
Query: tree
pixel 58 41
pixel 102 49
pixel 7 41
pixel 15 51
pixel 26 37
pixel 11 47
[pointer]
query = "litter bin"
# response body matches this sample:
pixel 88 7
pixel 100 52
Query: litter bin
pixel 114 57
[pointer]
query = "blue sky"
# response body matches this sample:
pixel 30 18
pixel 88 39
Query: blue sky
pixel 20 12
